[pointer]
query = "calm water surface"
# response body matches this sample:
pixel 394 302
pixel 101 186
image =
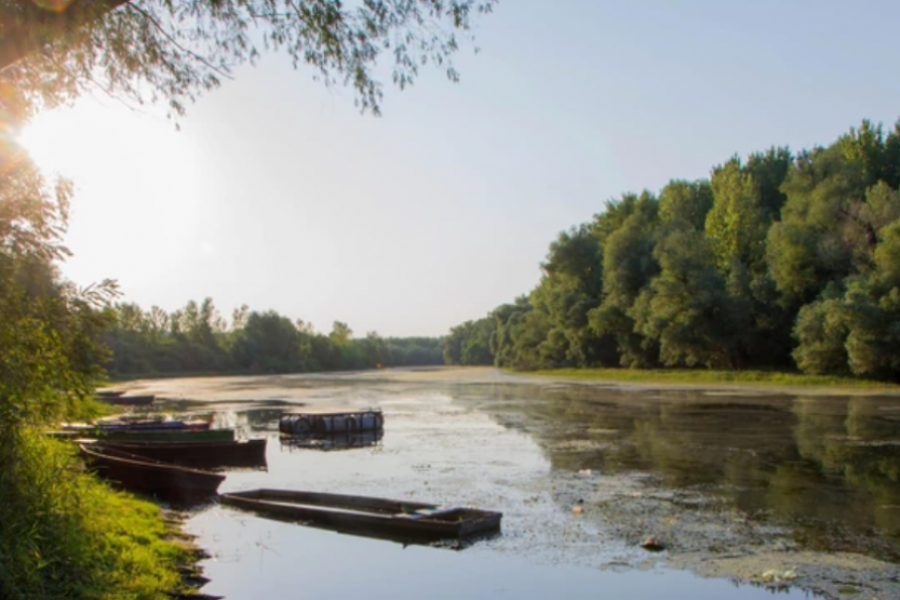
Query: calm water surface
pixel 712 475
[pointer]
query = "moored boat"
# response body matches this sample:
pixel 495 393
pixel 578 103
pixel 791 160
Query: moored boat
pixel 150 425
pixel 120 399
pixel 229 453
pixel 168 482
pixel 164 435
pixel 375 517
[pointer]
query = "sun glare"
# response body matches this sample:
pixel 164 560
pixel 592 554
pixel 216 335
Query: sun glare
pixel 39 141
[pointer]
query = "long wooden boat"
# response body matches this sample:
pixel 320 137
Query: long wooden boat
pixel 230 453
pixel 108 392
pixel 376 517
pixel 168 482
pixel 123 400
pixel 151 425
pixel 152 435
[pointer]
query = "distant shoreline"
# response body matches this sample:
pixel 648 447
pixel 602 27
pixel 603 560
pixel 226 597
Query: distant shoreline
pixel 703 379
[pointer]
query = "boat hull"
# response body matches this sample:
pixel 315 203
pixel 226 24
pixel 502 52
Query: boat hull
pixel 244 453
pixel 126 400
pixel 374 517
pixel 162 435
pixel 170 483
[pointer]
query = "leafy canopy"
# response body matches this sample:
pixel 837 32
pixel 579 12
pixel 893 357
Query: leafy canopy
pixel 53 50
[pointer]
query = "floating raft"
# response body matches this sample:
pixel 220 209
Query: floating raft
pixel 373 517
pixel 325 421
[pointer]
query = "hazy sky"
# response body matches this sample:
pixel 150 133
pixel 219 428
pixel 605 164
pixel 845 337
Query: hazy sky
pixel 278 194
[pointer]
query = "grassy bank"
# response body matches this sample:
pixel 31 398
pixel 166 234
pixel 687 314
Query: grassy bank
pixel 698 376
pixel 65 534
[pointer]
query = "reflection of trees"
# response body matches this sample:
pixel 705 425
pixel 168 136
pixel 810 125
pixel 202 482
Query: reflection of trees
pixel 859 453
pixel 827 466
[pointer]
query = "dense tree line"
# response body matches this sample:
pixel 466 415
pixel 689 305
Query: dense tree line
pixel 197 339
pixel 776 261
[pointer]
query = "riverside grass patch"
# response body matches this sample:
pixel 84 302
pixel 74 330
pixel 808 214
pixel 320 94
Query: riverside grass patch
pixel 65 534
pixel 703 376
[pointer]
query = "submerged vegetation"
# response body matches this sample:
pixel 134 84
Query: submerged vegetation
pixel 779 262
pixel 196 339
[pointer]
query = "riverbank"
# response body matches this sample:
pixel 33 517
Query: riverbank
pixel 703 378
pixel 65 534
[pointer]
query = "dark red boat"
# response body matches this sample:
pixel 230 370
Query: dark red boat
pixel 243 453
pixel 165 481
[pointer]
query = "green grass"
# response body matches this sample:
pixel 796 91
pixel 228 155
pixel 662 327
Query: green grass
pixel 65 534
pixel 701 376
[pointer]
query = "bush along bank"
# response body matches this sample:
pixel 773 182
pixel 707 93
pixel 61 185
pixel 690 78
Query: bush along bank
pixel 65 534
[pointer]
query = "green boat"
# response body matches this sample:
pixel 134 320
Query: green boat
pixel 178 435
pixel 148 435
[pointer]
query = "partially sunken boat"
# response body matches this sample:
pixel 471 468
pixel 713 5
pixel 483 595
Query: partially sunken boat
pixel 167 482
pixel 329 420
pixel 374 517
pixel 214 454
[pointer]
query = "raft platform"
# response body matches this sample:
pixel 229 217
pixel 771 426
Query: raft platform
pixel 329 420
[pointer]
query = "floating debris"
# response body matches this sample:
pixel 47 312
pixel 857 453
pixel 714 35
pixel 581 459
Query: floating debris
pixel 652 544
pixel 776 576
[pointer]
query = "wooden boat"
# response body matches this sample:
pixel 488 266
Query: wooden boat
pixel 123 400
pixel 168 482
pixel 108 392
pixel 231 453
pixel 177 435
pixel 375 517
pixel 153 425
pixel 328 420
pixel 124 434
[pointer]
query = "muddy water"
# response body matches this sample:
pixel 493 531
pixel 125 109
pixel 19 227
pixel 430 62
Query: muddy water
pixel 741 486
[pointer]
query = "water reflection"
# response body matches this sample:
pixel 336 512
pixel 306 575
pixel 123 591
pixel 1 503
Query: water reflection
pixel 335 441
pixel 829 468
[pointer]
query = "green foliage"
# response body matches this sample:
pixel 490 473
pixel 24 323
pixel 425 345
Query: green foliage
pixel 63 534
pixel 686 308
pixel 197 339
pixel 175 50
pixel 686 201
pixel 48 328
pixel 776 262
pixel 735 224
pixel 470 343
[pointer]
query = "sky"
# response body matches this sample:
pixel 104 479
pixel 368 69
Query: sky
pixel 278 194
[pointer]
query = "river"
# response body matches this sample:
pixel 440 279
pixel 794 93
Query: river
pixel 751 489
